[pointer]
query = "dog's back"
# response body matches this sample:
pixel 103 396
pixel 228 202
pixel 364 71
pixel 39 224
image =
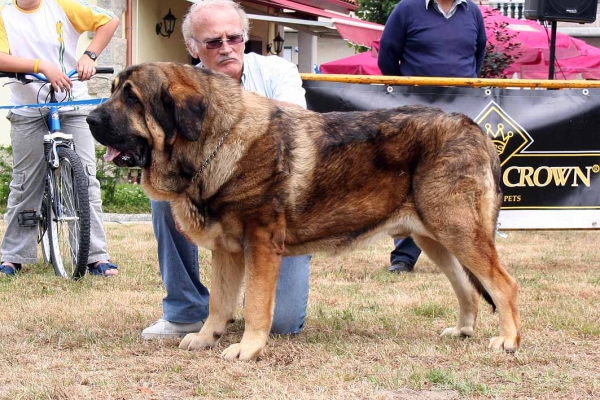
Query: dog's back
pixel 381 168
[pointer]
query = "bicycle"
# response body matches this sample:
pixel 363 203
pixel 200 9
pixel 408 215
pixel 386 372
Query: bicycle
pixel 63 221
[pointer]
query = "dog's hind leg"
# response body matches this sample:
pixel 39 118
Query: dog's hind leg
pixel 466 293
pixel 458 198
pixel 473 246
pixel 476 251
pixel 227 274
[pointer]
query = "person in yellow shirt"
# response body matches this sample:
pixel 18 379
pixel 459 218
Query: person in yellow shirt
pixel 41 36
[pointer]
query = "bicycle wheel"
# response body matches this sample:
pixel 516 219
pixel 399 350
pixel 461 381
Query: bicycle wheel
pixel 69 220
pixel 43 235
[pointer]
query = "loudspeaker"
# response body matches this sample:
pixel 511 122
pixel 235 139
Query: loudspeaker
pixel 581 11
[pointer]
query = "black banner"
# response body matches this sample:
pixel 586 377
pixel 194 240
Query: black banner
pixel 548 142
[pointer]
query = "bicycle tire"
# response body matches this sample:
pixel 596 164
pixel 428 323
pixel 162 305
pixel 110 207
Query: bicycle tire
pixel 69 220
pixel 43 235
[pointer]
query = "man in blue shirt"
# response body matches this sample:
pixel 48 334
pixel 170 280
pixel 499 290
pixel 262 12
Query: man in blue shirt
pixel 215 32
pixel 433 38
pixel 443 38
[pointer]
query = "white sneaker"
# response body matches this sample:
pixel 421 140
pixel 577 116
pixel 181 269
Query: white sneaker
pixel 163 329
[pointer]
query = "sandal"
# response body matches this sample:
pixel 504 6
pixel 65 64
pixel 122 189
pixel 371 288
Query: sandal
pixel 9 270
pixel 100 269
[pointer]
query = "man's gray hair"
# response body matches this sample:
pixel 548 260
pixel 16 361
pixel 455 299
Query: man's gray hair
pixel 186 25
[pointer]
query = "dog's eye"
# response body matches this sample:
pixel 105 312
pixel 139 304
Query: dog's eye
pixel 130 97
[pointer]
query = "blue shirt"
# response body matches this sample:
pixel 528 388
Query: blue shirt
pixel 418 40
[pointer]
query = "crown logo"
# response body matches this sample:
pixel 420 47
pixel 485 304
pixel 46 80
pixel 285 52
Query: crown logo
pixel 499 138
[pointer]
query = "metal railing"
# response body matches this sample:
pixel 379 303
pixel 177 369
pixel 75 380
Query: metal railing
pixel 465 82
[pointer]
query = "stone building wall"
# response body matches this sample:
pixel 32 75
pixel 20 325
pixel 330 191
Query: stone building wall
pixel 115 54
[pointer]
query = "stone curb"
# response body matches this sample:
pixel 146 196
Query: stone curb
pixel 122 218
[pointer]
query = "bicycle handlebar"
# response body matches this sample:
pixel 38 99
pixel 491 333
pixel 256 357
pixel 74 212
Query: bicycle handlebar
pixel 105 70
pixel 21 75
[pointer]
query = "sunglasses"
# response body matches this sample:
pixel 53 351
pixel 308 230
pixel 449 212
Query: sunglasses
pixel 218 43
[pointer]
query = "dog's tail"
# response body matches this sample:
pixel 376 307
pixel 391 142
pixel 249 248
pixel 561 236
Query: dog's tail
pixel 480 288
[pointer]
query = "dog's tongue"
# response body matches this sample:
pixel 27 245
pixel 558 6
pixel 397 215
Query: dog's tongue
pixel 111 154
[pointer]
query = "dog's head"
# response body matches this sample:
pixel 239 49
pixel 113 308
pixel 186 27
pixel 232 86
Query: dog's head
pixel 144 110
pixel 159 110
pixel 150 107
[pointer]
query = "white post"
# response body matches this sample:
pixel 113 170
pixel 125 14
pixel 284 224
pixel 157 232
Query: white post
pixel 307 52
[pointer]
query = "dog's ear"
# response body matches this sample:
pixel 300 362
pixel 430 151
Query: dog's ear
pixel 185 111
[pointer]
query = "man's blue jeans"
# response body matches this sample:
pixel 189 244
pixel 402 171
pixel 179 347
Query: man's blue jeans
pixel 187 298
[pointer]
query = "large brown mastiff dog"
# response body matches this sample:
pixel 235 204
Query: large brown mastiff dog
pixel 253 180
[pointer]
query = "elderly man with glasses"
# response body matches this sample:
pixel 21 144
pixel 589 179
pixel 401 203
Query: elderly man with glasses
pixel 215 32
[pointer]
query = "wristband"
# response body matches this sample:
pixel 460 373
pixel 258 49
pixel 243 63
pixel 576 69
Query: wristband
pixel 35 65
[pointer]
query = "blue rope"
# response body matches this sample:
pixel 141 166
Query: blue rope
pixel 61 104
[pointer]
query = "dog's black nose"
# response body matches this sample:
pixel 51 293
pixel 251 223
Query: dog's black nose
pixel 93 119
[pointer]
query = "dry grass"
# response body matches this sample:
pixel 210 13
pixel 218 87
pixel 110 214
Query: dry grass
pixel 369 334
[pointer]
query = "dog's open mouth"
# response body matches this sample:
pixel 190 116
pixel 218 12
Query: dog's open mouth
pixel 127 158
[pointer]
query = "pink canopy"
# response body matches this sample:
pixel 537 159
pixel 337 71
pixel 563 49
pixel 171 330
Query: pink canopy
pixel 358 64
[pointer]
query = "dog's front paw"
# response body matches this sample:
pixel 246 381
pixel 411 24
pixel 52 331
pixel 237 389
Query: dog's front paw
pixel 465 331
pixel 195 341
pixel 239 352
pixel 509 344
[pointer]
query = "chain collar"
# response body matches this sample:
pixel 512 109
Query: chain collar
pixel 210 157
